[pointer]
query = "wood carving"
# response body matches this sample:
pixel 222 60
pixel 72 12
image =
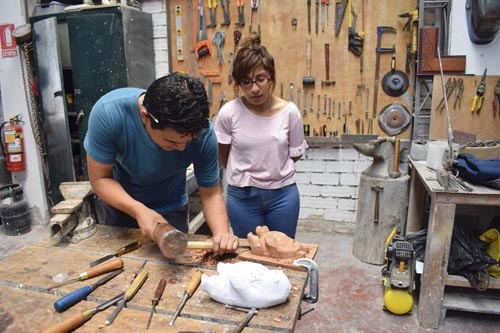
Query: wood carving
pixel 428 58
pixel 275 244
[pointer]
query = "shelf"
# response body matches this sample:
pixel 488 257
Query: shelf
pixel 460 281
pixel 471 300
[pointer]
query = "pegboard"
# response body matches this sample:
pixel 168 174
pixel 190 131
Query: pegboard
pixel 284 32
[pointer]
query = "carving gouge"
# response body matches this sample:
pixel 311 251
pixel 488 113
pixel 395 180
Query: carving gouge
pixel 188 292
pixel 103 268
pixel 156 299
pixel 76 296
pixel 129 293
pixel 126 249
pixel 79 319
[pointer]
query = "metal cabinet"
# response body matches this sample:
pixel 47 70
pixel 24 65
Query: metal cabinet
pixel 80 56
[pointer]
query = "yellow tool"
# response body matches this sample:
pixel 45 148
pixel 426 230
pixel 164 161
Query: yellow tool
pixel 188 292
pixel 212 6
pixel 477 101
pixel 103 268
pixel 496 98
pixel 129 294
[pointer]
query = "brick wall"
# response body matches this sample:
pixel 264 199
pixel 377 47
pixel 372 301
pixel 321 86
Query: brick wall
pixel 328 179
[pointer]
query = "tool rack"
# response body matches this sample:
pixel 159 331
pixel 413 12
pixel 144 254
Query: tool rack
pixel 284 31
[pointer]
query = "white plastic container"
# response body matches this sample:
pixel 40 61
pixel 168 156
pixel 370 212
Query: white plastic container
pixel 437 153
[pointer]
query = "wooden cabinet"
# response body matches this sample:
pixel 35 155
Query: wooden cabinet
pixel 81 55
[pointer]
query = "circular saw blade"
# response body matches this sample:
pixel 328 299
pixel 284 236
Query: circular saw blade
pixel 394 119
pixel 395 83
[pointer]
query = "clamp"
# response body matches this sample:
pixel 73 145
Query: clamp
pixel 477 101
pixel 240 4
pixel 212 6
pixel 225 10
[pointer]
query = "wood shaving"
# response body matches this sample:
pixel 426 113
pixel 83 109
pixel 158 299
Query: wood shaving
pixel 208 258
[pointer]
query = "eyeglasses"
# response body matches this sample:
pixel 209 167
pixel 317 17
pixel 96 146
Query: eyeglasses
pixel 260 81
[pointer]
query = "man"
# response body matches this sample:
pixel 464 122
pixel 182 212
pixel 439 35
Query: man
pixel 139 145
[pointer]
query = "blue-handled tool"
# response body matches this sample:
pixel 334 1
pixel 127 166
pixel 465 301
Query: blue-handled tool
pixel 76 296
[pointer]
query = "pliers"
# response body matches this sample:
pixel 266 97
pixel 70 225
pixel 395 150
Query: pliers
pixel 240 4
pixel 212 6
pixel 477 101
pixel 450 86
pixel 458 94
pixel 496 98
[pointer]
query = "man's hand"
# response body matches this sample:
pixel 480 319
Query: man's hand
pixel 147 220
pixel 225 242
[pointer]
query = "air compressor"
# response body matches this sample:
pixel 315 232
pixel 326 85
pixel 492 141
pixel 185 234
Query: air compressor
pixel 13 144
pixel 398 274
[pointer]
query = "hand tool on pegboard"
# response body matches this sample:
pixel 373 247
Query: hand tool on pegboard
pixel 317 17
pixel 324 105
pixel 458 93
pixel 327 82
pixel 231 66
pixel 254 6
pixel 240 5
pixel 496 98
pixel 309 79
pixel 379 50
pixel 225 11
pixel 340 7
pixel 298 97
pixel 179 33
pixel 219 39
pixel 305 103
pixel 291 92
pixel 106 267
pixel 72 323
pixel 450 85
pixel 202 47
pixel 309 16
pixel 395 82
pixel 355 39
pixel 477 101
pixel 311 110
pixel 156 299
pixel 411 26
pixel 212 7
pixel 323 15
pixel 130 292
pixel 329 109
pixel 121 251
pixel 188 292
pixel 68 300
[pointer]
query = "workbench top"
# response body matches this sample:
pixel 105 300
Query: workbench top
pixel 26 307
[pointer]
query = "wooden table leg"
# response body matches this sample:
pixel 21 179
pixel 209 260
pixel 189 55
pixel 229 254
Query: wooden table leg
pixel 437 252
pixel 416 203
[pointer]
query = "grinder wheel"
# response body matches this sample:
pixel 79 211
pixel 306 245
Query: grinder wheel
pixel 395 83
pixel 394 118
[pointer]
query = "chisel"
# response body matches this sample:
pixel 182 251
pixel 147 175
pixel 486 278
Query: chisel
pixel 156 299
pixel 129 293
pixel 76 296
pixel 208 245
pixel 188 292
pixel 103 268
pixel 79 319
pixel 124 250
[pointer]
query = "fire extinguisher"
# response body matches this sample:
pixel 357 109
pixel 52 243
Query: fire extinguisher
pixel 13 144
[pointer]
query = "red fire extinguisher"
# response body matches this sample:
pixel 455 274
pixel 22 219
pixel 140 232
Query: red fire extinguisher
pixel 13 144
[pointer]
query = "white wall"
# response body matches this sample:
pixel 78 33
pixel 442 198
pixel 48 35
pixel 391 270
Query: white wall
pixel 14 102
pixel 478 57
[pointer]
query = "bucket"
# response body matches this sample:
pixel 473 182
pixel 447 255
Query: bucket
pixel 14 210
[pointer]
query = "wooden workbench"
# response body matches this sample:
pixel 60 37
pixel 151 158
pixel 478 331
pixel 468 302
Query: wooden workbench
pixel 25 307
pixel 440 291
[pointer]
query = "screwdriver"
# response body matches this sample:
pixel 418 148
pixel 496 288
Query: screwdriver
pixel 106 267
pixel 156 299
pixel 121 251
pixel 74 297
pixel 188 292
pixel 79 319
pixel 129 293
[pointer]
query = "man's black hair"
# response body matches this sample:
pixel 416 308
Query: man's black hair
pixel 179 102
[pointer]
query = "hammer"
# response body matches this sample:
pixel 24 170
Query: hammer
pixel 327 82
pixel 309 79
pixel 377 189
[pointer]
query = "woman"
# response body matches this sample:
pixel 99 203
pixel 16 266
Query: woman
pixel 260 137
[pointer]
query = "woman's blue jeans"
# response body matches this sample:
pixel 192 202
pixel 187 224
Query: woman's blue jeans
pixel 249 207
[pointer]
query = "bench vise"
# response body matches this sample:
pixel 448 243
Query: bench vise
pixel 72 218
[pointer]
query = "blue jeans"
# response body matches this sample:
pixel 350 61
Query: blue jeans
pixel 178 218
pixel 249 207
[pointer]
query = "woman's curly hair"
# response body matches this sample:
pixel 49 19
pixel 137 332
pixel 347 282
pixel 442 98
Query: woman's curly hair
pixel 179 102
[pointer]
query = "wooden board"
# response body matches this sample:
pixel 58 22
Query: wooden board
pixel 287 44
pixel 484 124
pixel 284 263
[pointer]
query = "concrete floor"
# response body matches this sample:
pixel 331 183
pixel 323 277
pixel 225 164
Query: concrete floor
pixel 350 291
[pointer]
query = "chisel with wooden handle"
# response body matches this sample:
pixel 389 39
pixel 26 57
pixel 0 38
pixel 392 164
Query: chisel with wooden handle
pixel 103 268
pixel 121 251
pixel 79 319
